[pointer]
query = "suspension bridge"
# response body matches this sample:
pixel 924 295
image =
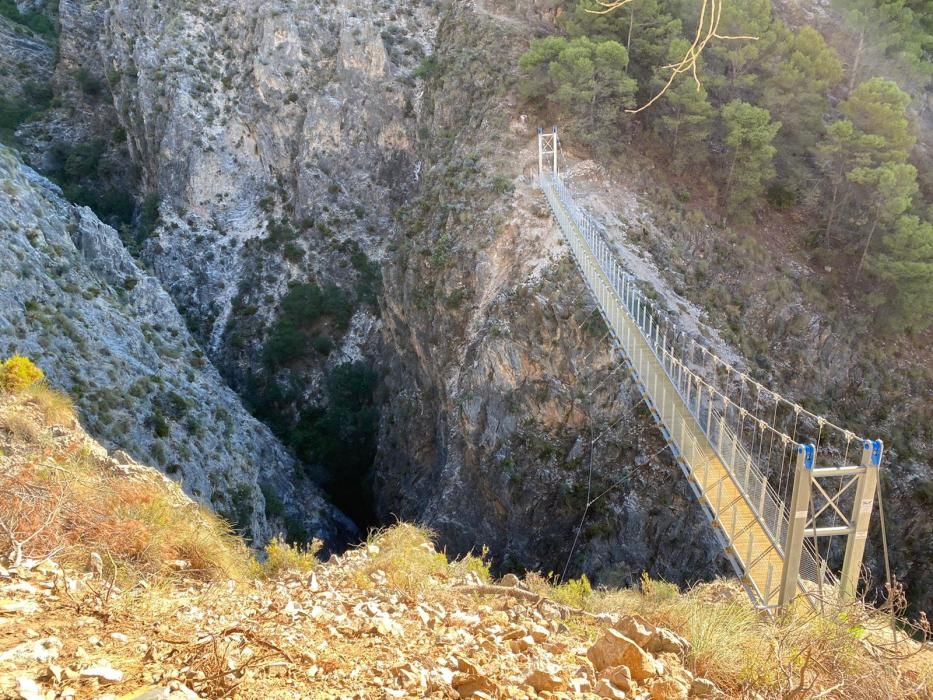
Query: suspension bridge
pixel 778 482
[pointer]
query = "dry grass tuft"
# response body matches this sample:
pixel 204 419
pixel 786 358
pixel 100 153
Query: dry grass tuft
pixel 54 407
pixel 20 426
pixel 472 564
pixel 283 557
pixel 61 499
pixel 405 555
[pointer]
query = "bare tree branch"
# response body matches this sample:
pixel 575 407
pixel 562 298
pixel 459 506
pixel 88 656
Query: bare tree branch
pixel 707 30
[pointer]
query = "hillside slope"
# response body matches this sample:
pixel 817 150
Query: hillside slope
pixel 119 586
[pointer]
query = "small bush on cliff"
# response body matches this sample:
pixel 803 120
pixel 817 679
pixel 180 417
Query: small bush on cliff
pixel 19 372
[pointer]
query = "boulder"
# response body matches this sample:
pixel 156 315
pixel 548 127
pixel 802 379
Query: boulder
pixel 605 689
pixel 663 640
pixel 668 689
pixel 615 649
pixel 544 681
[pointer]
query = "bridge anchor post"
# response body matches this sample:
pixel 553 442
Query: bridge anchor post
pixel 547 152
pixel 861 514
pixel 799 510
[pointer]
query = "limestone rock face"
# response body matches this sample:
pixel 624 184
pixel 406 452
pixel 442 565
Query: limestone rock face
pixel 104 330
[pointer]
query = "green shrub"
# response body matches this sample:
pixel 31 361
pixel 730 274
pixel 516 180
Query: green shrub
pixel 294 252
pixel 323 344
pixel 159 424
pixel 90 85
pixel 429 67
pixel 36 98
pixel 370 279
pixel 274 506
pixel 36 21
pixel 303 309
pixel 148 216
pixel 924 491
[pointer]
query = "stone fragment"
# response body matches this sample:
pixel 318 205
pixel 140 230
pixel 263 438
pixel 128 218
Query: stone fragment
pixel 663 640
pixel 467 667
pixel 18 607
pixel 635 629
pixel 605 689
pixel 387 627
pixel 703 688
pixel 668 689
pixel 510 580
pixel 521 644
pixel 619 676
pixel 539 633
pixel 469 686
pixel 542 681
pixel 615 649
pixel 28 689
pixel 103 673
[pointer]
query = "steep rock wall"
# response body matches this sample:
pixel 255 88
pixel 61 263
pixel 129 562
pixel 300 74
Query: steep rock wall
pixel 104 330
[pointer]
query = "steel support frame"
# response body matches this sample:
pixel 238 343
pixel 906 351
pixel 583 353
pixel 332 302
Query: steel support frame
pixel 547 152
pixel 799 509
pixel 861 515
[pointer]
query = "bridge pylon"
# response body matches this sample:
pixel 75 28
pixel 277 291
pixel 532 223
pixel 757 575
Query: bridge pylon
pixel 547 152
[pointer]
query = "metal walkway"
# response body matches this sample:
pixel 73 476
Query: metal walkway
pixel 752 457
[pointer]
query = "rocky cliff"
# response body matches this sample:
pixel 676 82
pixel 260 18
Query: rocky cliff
pixel 103 328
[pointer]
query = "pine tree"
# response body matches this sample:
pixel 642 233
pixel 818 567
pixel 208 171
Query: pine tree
pixel 795 92
pixel 585 79
pixel 906 263
pixel 684 117
pixel 887 191
pixel 737 60
pixel 749 136
pixel 645 28
pixel 875 133
pixel 879 107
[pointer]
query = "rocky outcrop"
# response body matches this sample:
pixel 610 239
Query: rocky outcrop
pixel 26 62
pixel 103 329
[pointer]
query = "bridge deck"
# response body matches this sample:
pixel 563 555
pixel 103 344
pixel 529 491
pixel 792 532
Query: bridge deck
pixel 746 540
